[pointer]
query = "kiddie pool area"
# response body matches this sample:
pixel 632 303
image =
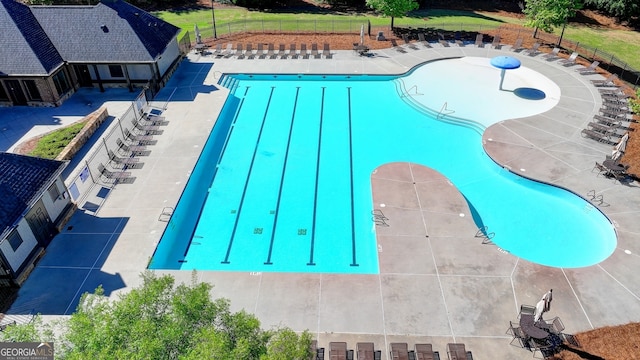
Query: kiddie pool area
pixel 283 183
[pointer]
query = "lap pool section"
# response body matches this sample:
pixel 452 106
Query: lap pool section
pixel 283 183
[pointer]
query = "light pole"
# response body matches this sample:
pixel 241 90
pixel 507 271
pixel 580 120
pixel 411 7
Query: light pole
pixel 213 15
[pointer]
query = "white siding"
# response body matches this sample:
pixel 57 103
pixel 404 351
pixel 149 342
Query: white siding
pixel 55 208
pixel 29 243
pixel 170 54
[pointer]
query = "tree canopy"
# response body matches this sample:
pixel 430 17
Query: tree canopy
pixel 392 8
pixel 547 14
pixel 162 320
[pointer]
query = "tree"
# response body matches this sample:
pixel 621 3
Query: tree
pixel 393 8
pixel 160 320
pixel 622 9
pixel 547 14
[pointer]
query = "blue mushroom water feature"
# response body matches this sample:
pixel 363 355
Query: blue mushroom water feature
pixel 504 63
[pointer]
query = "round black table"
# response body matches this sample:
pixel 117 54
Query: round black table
pixel 528 326
pixel 614 166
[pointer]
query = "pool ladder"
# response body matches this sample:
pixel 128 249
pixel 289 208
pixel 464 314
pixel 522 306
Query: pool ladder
pixel 444 111
pixel 596 199
pixel 166 214
pixel 379 218
pixel 406 92
pixel 485 235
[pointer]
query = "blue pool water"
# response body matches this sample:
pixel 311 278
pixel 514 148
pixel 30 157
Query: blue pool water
pixel 283 183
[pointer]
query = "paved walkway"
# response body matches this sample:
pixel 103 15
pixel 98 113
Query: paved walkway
pixel 447 287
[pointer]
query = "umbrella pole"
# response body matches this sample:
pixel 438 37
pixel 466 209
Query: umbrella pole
pixel 502 72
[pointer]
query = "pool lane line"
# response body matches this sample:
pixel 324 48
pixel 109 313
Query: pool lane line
pixel 353 228
pixel 315 196
pixel 204 201
pixel 246 182
pixel 284 168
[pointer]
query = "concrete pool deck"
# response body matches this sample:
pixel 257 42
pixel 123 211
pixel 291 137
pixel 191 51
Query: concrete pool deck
pixel 444 287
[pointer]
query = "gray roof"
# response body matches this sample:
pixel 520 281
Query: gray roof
pixel 112 31
pixel 21 180
pixel 26 49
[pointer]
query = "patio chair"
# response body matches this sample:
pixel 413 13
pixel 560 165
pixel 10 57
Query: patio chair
pixel 282 51
pixel 397 48
pixel 314 51
pixel 292 51
pixel 517 46
pixel 591 69
pixel 271 51
pixel 516 331
pixel 366 351
pixel 527 310
pixel 326 52
pixel 552 55
pixel 399 351
pixel 115 176
pixel 571 60
pixel 496 42
pixel 480 40
pixel 407 42
pixel 533 51
pixel 260 51
pixel 248 52
pixel 239 51
pixel 542 346
pixel 608 82
pixel 555 325
pixel 303 51
pixel 423 40
pixel 425 352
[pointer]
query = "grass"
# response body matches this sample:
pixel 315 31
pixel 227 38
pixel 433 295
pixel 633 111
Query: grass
pixel 623 44
pixel 50 145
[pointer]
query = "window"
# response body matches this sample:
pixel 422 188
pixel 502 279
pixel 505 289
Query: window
pixel 3 94
pixel 116 71
pixel 15 240
pixel 61 83
pixel 32 90
pixel 54 192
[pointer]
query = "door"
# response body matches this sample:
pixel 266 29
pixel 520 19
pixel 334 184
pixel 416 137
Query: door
pixel 15 92
pixel 84 76
pixel 41 225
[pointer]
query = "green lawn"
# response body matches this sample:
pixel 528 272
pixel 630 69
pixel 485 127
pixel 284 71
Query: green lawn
pixel 623 44
pixel 50 145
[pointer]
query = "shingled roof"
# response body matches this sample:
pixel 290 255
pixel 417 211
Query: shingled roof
pixel 26 49
pixel 21 180
pixel 112 31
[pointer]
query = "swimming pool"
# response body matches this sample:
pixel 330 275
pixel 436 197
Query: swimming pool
pixel 283 183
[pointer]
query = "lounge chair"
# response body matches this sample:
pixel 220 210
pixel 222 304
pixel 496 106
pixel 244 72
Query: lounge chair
pixel 282 54
pixel 271 51
pixel 423 40
pixel 571 60
pixel 534 50
pixel 228 51
pixel 397 48
pixel 599 137
pixel 303 51
pixel 425 352
pixel 131 150
pixel 517 46
pixel 496 42
pixel 614 122
pixel 480 40
pixel 552 55
pixel 138 139
pixel 314 51
pixel 366 351
pixel 218 50
pixel 338 350
pixel 608 82
pixel 239 51
pixel 249 52
pixel 458 352
pixel 145 129
pixel 123 162
pixel 399 351
pixel 260 51
pixel 115 176
pixel 292 51
pixel 316 352
pixel 407 42
pixel 326 52
pixel 442 40
pixel 591 69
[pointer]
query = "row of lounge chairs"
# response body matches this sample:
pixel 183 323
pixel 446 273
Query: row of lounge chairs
pixel 398 351
pixel 135 142
pixel 270 52
pixel 422 40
